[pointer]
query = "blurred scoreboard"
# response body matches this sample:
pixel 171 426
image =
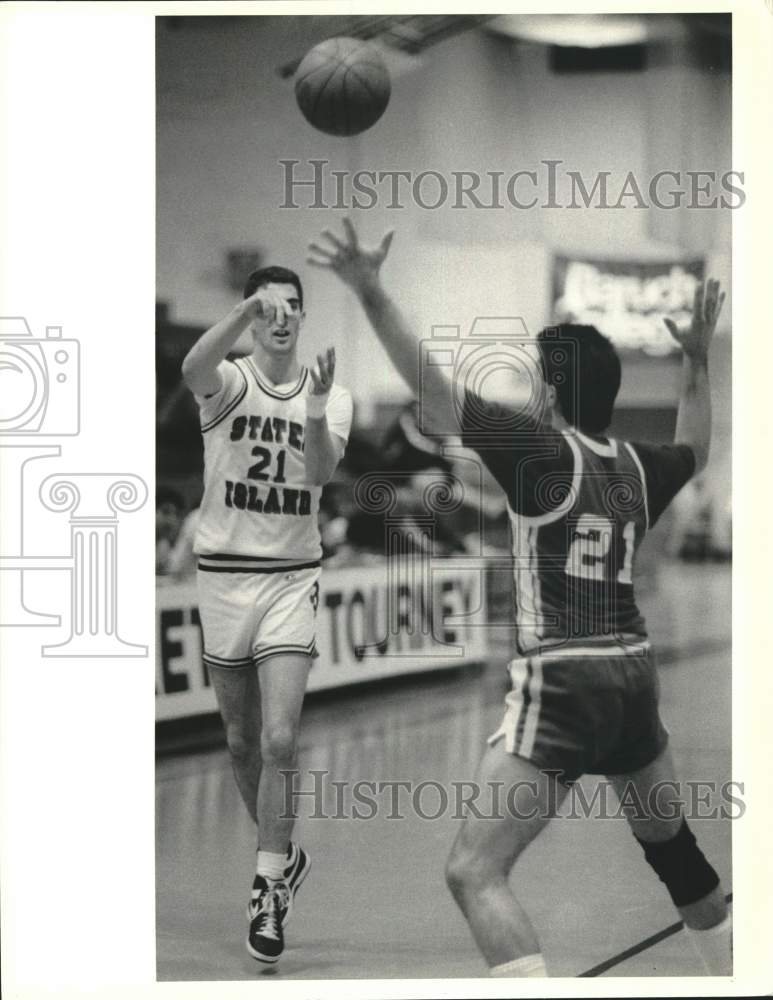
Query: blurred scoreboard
pixel 627 300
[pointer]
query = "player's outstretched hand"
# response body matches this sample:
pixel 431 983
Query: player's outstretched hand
pixel 323 378
pixel 695 339
pixel 267 305
pixel 355 265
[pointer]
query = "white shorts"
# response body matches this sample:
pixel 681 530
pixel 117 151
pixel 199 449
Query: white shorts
pixel 247 617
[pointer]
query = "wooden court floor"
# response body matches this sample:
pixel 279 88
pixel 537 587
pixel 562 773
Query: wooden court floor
pixel 375 904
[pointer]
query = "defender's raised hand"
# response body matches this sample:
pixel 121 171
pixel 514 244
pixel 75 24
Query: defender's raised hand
pixel 695 340
pixel 355 265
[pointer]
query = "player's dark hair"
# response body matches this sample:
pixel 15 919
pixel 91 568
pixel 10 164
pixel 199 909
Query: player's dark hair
pixel 272 276
pixel 583 366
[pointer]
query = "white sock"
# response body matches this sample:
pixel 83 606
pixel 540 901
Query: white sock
pixel 287 856
pixel 715 946
pixel 271 865
pixel 530 966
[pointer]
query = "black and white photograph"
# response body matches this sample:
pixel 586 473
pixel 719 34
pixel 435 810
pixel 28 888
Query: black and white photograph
pixel 444 434
pixel 451 663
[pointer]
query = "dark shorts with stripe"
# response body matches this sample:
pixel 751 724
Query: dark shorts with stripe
pixel 584 715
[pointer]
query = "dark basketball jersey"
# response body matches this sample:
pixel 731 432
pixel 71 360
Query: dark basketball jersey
pixel 579 508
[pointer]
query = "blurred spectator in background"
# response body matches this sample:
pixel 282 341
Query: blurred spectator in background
pixel 723 529
pixel 700 530
pixel 182 560
pixel 363 453
pixel 169 514
pixel 405 448
pixel 411 461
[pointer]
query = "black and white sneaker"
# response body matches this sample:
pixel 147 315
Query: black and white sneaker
pixel 265 940
pixel 297 868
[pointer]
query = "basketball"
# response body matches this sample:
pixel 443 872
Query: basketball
pixel 342 86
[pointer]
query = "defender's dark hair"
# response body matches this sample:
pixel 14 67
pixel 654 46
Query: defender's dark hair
pixel 272 276
pixel 584 367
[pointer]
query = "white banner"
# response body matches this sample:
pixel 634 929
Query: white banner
pixel 370 624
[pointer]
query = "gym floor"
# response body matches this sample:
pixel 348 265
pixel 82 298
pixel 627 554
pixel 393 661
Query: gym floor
pixel 375 904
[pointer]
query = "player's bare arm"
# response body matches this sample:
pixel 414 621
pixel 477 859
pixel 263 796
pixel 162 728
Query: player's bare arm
pixel 199 367
pixel 323 450
pixel 359 267
pixel 693 422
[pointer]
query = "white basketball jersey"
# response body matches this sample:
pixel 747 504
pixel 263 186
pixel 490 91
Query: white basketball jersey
pixel 257 502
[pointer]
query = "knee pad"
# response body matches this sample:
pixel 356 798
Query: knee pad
pixel 680 865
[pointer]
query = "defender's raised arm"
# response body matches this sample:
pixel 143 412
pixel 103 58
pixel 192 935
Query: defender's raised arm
pixel 359 267
pixel 693 422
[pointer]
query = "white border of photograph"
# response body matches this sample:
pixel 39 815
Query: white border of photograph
pixel 77 115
